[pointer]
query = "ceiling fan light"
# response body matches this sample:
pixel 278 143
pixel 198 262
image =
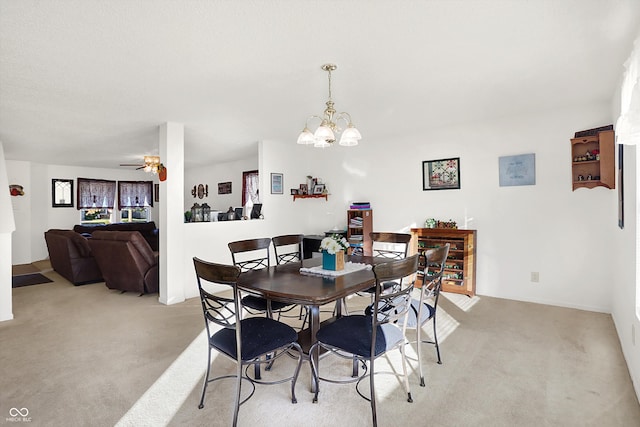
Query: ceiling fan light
pixel 306 137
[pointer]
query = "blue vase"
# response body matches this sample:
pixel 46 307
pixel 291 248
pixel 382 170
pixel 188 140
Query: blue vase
pixel 333 261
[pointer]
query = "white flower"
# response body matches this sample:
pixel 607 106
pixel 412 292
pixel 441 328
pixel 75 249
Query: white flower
pixel 334 243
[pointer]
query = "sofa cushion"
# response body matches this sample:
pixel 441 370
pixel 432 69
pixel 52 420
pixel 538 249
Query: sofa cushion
pixel 134 237
pixel 80 242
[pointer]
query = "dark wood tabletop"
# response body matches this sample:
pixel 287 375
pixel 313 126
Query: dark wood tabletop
pixel 286 283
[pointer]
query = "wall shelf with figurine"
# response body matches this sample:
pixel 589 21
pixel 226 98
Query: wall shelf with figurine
pixel 310 196
pixel 593 159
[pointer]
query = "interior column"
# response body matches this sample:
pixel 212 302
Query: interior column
pixel 171 203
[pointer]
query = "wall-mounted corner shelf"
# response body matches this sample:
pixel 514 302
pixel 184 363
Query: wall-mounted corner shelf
pixel 310 196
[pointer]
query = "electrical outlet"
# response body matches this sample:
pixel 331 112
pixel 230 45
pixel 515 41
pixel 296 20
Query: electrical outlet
pixel 535 276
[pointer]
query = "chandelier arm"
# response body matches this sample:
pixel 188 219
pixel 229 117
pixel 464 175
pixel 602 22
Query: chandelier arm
pixel 342 116
pixel 306 124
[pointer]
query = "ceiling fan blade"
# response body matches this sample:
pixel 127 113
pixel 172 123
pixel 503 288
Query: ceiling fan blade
pixel 131 164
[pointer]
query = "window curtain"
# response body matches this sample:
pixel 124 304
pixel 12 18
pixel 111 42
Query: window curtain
pixel 133 194
pixel 250 183
pixel 628 124
pixel 96 193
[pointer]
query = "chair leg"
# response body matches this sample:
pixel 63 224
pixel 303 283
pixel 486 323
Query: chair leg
pixel 373 393
pixel 314 372
pixel 435 340
pixel 238 385
pixel 419 349
pixel 404 371
pixel 206 380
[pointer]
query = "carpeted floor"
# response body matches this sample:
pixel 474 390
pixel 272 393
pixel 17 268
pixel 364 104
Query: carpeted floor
pixel 20 269
pixel 92 356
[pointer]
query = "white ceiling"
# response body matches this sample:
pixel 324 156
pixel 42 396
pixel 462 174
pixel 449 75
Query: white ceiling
pixel 88 82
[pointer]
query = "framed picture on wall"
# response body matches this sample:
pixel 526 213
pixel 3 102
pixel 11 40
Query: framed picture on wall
pixel 276 183
pixel 224 188
pixel 443 174
pixel 61 193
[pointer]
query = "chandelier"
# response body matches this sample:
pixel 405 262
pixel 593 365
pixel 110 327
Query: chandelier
pixel 324 135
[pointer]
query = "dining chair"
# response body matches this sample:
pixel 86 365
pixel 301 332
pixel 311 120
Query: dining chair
pixel 367 337
pixel 245 341
pixel 422 310
pixel 289 248
pixel 253 254
pixel 388 245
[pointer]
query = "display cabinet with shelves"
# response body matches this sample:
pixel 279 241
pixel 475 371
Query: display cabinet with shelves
pixel 359 228
pixel 460 270
pixel 593 160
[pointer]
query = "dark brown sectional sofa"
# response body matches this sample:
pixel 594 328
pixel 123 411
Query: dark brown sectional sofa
pixel 147 229
pixel 71 257
pixel 124 255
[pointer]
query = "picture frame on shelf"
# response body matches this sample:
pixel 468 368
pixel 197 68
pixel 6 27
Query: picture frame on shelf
pixel 294 191
pixel 276 183
pixel 303 189
pixel 441 174
pixel 318 189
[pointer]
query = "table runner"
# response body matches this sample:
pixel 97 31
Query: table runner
pixel 349 267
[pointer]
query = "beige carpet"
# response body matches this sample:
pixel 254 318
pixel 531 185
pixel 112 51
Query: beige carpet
pixel 92 356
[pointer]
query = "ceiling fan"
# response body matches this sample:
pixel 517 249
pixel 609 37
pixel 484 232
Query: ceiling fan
pixel 151 164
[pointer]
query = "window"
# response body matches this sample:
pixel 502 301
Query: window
pixel 135 199
pixel 250 180
pixel 96 198
pixel 140 214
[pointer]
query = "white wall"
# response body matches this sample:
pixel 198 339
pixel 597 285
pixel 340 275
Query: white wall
pixel 211 175
pixel 33 211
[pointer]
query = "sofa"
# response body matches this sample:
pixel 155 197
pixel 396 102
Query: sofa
pixel 126 260
pixel 148 230
pixel 71 257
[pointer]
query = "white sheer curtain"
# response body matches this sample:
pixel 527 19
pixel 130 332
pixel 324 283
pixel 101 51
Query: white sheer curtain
pixel 628 124
pixel 250 184
pixel 133 194
pixel 96 193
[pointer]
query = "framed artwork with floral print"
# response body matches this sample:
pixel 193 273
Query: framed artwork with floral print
pixel 443 174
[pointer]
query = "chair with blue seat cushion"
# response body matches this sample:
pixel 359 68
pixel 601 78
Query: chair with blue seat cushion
pixel 253 254
pixel 366 337
pixel 433 263
pixel 246 341
pixel 289 248
pixel 391 246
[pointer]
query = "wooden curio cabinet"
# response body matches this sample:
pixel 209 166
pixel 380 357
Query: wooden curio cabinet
pixel 460 270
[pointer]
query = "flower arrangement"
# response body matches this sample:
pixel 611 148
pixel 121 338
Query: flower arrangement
pixel 334 243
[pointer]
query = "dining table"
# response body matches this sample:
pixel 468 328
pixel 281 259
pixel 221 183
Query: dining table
pixel 287 283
